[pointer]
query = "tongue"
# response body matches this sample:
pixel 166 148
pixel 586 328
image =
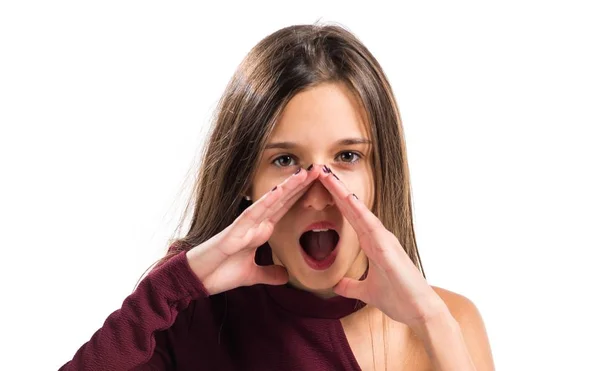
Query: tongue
pixel 319 244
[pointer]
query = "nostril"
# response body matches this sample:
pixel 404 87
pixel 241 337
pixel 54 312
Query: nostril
pixel 317 196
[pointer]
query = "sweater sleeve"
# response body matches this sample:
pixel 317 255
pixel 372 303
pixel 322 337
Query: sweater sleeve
pixel 132 337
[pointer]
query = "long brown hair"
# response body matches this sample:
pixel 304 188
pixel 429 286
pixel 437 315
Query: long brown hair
pixel 284 63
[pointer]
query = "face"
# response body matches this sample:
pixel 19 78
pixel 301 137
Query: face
pixel 314 122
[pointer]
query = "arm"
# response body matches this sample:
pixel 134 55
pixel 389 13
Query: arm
pixel 398 288
pixel 455 338
pixel 128 338
pixel 134 336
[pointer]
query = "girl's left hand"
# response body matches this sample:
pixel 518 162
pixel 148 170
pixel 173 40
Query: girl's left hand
pixel 394 284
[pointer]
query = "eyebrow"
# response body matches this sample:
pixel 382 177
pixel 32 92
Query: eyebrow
pixel 341 142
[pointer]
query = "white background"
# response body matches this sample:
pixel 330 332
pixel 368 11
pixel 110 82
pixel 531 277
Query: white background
pixel 104 107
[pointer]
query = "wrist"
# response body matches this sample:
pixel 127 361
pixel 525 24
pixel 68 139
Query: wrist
pixel 442 338
pixel 200 272
pixel 437 321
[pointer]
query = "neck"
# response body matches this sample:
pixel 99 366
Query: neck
pixel 322 293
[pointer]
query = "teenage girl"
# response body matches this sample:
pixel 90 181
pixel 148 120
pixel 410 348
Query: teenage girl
pixel 301 252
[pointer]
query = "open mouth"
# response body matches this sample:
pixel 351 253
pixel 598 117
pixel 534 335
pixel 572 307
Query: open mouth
pixel 319 247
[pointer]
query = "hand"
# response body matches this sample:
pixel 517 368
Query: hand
pixel 394 284
pixel 226 260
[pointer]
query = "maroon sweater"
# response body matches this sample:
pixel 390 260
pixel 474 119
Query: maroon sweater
pixel 170 323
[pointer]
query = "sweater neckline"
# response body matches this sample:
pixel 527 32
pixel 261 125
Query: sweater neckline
pixel 304 303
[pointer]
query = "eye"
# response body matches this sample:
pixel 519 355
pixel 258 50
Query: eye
pixel 283 163
pixel 352 155
pixel 347 158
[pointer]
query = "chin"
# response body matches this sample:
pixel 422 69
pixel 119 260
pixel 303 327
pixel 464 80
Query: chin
pixel 316 284
pixel 317 275
pixel 318 280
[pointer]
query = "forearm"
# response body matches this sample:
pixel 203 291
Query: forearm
pixel 131 336
pixel 444 343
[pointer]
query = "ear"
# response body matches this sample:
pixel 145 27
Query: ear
pixel 246 194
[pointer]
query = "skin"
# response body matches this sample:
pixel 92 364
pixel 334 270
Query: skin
pixel 315 120
pixel 432 328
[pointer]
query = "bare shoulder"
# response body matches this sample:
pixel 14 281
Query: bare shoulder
pixel 470 320
pixel 459 305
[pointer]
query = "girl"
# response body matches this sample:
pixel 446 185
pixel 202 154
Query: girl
pixel 301 253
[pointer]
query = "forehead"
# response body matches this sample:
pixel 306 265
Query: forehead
pixel 326 110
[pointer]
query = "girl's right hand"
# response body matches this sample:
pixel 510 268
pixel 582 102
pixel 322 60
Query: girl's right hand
pixel 226 260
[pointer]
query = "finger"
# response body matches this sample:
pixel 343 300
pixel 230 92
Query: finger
pixel 351 288
pixel 339 191
pixel 275 217
pixel 261 209
pixel 270 275
pixel 358 214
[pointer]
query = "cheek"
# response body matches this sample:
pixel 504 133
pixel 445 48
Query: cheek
pixel 359 183
pixel 264 182
pixel 260 187
pixel 282 233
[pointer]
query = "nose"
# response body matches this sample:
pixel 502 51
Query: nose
pixel 317 197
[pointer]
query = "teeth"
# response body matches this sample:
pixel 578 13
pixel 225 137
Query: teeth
pixel 320 230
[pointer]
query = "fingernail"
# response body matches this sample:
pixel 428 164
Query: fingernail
pixel 297 170
pixel 355 196
pixel 310 167
pixel 326 169
pixel 274 188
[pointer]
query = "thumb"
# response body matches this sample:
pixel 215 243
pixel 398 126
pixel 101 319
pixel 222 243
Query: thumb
pixel 350 288
pixel 272 275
